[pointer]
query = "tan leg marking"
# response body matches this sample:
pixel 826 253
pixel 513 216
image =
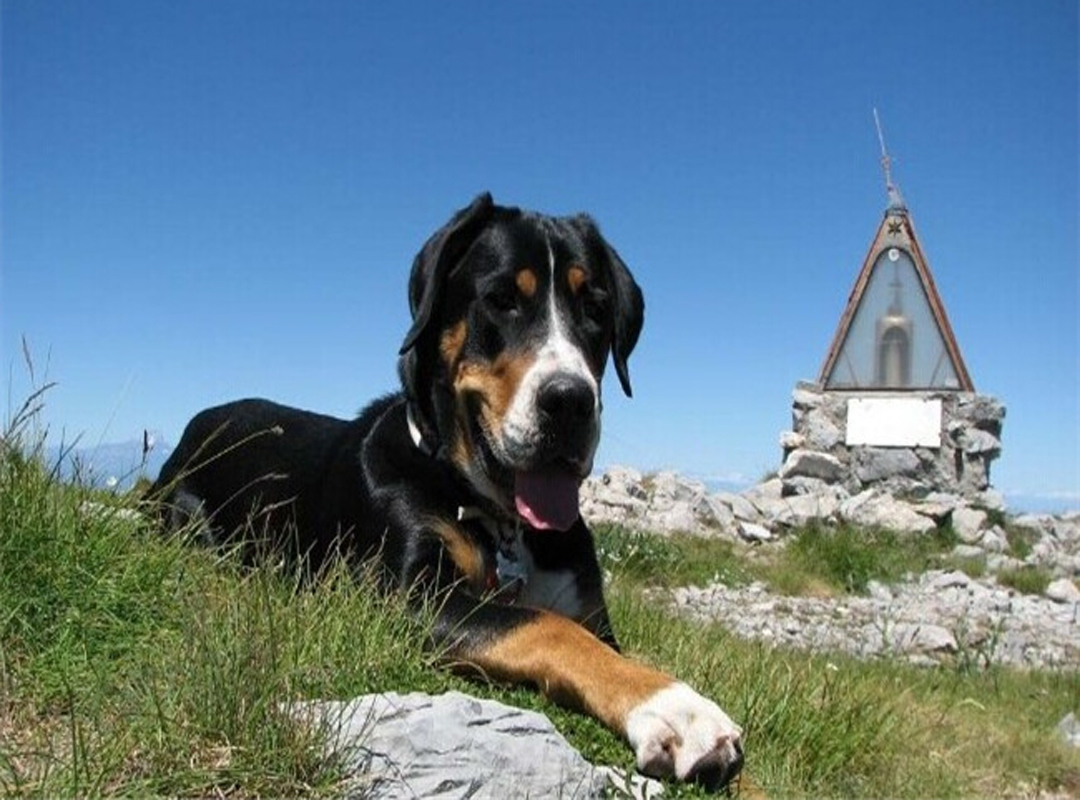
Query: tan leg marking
pixel 572 667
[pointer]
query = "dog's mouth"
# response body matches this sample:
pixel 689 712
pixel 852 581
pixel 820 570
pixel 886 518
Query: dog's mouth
pixel 539 486
pixel 547 498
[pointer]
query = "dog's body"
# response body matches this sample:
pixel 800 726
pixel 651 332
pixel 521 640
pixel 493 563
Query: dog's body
pixel 464 485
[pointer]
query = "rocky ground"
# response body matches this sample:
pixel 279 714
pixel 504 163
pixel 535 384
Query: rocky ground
pixel 925 618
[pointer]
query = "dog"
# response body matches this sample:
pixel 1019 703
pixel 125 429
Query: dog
pixel 463 486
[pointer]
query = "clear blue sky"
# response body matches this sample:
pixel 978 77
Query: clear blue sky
pixel 202 201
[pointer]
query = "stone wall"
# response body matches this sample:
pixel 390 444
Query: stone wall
pixel 815 453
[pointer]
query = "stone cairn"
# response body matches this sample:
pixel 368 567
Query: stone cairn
pixel 816 455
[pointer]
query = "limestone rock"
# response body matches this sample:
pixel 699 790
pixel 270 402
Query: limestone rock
pixel 789 440
pixel 873 464
pixel 873 509
pixel 968 523
pixel 908 637
pixel 752 532
pixel 743 509
pixel 812 464
pixel 1069 729
pixel 1063 590
pixel 994 540
pixel 450 746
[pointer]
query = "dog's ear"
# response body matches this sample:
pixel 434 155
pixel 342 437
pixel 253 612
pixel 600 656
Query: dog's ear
pixel 628 304
pixel 435 260
pixel 427 284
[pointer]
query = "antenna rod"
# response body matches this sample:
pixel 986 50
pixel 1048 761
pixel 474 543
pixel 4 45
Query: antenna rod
pixel 886 162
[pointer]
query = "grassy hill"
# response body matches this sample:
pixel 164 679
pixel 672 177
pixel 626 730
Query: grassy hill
pixel 136 664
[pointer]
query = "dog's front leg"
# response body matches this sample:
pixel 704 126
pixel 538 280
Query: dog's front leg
pixel 673 730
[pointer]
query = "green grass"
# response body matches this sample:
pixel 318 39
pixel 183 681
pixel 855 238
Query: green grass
pixel 1026 579
pixel 818 559
pixel 132 664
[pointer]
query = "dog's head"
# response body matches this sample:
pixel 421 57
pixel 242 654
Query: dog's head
pixel 514 314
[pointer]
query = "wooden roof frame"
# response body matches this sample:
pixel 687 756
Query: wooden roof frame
pixel 889 235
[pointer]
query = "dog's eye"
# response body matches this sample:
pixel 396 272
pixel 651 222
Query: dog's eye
pixel 502 301
pixel 594 304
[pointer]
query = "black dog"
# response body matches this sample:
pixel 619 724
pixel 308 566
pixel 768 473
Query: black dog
pixel 465 484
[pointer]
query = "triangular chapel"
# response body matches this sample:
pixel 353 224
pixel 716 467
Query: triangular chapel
pixel 894 333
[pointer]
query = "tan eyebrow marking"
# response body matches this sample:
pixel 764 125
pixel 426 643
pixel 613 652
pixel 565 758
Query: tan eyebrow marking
pixel 526 282
pixel 576 277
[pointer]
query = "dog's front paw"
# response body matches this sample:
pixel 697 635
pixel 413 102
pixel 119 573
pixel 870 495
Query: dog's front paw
pixel 677 732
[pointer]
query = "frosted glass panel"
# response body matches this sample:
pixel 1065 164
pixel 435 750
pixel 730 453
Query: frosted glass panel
pixel 893 341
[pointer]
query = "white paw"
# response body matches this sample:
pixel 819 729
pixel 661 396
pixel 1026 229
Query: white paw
pixel 679 733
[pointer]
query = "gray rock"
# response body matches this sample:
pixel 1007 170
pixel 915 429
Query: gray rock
pixel 990 499
pixel 968 551
pixel 820 432
pixel 789 440
pixel 741 507
pixel 873 509
pixel 1067 529
pixel 977 442
pixel 714 511
pixel 948 580
pixel 1037 524
pixel 1063 590
pixel 753 532
pixel 1069 729
pixel 801 509
pixel 968 523
pixel 918 638
pixel 450 746
pixel 999 562
pixel 812 464
pixel 994 540
pixel 807 395
pixel 872 464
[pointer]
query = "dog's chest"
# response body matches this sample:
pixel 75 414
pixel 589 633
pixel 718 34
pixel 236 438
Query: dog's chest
pixel 554 590
pixel 513 575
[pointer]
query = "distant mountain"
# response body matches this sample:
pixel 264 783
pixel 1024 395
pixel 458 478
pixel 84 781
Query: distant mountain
pixel 111 465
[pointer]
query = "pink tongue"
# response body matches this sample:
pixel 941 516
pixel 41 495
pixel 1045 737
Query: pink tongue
pixel 547 500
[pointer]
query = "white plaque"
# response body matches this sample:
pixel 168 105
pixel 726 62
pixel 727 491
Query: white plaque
pixel 893 422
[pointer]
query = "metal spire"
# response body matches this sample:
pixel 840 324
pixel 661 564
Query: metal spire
pixel 896 201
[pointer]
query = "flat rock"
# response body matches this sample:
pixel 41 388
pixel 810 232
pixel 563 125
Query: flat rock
pixel 450 746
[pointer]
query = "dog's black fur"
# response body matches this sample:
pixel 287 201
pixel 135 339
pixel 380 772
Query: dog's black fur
pixel 514 317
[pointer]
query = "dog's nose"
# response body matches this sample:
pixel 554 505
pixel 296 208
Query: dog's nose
pixel 566 400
